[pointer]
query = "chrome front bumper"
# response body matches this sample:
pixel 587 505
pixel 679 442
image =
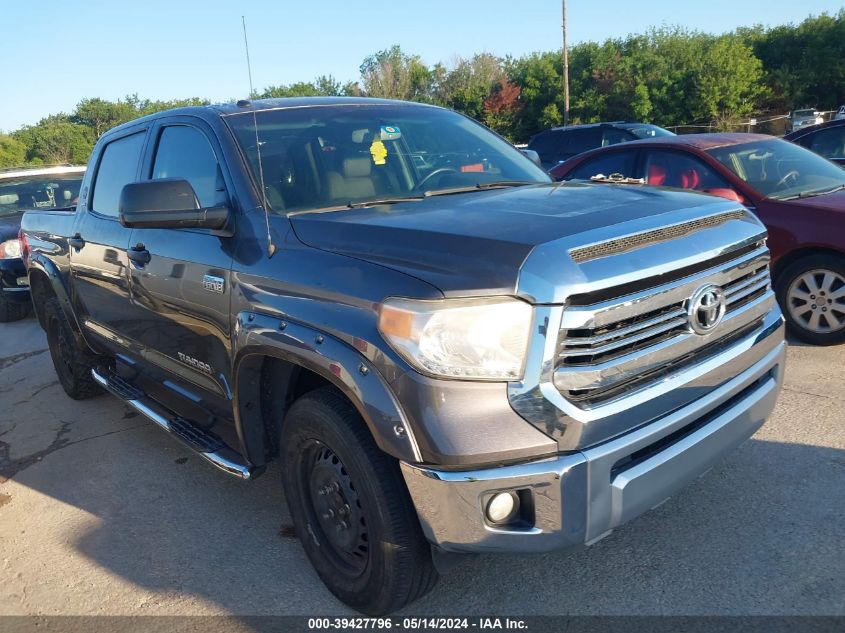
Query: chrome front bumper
pixel 582 496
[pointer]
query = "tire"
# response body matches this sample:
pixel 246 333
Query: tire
pixel 73 361
pixel 13 310
pixel 811 292
pixel 381 561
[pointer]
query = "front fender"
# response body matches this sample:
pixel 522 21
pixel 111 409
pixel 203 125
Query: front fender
pixel 338 363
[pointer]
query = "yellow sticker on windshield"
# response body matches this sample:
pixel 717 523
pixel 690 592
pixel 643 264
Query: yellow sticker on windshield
pixel 379 152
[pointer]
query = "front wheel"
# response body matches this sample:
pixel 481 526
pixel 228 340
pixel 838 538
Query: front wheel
pixel 350 507
pixel 811 292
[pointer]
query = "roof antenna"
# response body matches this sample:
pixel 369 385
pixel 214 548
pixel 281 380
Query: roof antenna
pixel 271 248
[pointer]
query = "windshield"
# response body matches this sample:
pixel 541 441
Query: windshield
pixel 323 157
pixel 50 191
pixel 648 131
pixel 779 169
pixel 804 113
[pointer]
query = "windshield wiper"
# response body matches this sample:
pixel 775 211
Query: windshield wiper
pixel 499 184
pixel 365 204
pixel 812 194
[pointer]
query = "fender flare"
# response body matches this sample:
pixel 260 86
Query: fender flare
pixel 48 269
pixel 347 369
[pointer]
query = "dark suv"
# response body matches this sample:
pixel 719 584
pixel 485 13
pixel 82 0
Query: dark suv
pixel 562 143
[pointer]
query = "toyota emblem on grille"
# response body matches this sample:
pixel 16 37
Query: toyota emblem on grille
pixel 706 309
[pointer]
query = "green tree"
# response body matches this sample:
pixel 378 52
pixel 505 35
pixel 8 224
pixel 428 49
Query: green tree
pixel 12 151
pixel 56 140
pixel 469 83
pixel 391 74
pixel 101 115
pixel 729 82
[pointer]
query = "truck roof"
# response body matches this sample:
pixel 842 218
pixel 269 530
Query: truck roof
pixel 258 105
pixel 17 172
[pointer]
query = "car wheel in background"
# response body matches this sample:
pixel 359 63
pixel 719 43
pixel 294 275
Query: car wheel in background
pixel 13 310
pixel 811 292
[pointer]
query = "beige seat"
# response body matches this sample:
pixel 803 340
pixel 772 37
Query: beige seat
pixel 355 182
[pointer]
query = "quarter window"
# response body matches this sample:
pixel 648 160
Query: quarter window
pixel 118 167
pixel 184 152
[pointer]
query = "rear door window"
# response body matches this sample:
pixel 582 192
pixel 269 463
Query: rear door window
pixel 118 167
pixel 551 146
pixel 606 164
pixel 583 140
pixel 830 143
pixel 613 136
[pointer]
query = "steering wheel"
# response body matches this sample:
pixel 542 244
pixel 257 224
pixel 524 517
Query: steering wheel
pixel 436 172
pixel 786 177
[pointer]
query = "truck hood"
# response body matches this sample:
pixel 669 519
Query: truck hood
pixel 474 244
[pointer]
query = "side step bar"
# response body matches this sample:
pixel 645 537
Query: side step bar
pixel 207 446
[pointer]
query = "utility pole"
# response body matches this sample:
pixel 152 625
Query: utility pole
pixel 565 71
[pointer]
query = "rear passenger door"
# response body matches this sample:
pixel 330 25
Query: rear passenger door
pixel 181 294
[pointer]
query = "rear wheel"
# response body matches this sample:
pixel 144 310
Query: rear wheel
pixel 13 310
pixel 811 292
pixel 350 507
pixel 73 360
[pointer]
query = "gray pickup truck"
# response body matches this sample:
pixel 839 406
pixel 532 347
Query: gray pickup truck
pixel 446 352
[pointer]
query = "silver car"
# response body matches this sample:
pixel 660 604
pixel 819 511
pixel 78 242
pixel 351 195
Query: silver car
pixel 803 118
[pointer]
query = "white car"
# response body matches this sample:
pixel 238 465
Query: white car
pixel 840 113
pixel 803 118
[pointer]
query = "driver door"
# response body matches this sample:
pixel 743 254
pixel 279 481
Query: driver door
pixel 181 292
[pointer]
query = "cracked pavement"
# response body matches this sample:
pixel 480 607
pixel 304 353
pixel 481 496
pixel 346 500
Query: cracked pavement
pixel 102 513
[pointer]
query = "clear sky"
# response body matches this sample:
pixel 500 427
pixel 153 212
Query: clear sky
pixel 56 52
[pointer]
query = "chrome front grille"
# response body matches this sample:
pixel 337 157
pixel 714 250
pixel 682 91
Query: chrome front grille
pixel 631 341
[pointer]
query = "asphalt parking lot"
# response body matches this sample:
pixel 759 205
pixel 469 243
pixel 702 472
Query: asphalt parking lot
pixel 102 513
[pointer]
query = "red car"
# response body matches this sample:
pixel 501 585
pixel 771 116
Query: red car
pixel 798 195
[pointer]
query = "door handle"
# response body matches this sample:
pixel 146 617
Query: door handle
pixel 139 254
pixel 76 241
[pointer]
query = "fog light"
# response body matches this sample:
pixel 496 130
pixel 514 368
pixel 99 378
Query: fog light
pixel 502 507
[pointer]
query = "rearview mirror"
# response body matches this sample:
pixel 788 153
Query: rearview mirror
pixel 167 203
pixel 533 156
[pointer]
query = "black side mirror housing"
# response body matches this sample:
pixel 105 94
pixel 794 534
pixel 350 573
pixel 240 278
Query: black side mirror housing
pixel 534 157
pixel 167 203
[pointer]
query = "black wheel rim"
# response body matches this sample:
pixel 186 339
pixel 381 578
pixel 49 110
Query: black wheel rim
pixel 60 351
pixel 335 509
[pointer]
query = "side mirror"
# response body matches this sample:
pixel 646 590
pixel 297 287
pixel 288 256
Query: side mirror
pixel 167 203
pixel 533 156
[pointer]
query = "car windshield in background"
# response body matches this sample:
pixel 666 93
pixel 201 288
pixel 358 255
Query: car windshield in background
pixel 781 170
pixel 52 191
pixel 803 114
pixel 648 131
pixel 334 156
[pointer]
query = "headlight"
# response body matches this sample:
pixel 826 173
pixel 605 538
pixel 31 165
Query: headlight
pixel 10 249
pixel 478 339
